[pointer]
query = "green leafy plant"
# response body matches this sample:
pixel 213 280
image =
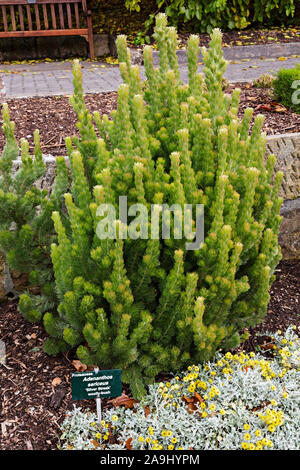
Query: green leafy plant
pixel 237 401
pixel 147 305
pixel 226 15
pixel 286 87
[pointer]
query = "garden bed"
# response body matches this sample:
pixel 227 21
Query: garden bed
pixel 55 118
pixel 112 17
pixel 35 389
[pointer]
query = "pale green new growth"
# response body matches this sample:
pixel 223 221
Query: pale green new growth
pixel 148 306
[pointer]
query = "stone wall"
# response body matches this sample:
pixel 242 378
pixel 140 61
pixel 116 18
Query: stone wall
pixel 287 149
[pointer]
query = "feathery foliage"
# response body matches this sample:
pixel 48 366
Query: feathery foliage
pixel 148 305
pixel 26 227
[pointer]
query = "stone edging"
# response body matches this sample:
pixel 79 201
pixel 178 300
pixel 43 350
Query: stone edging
pixel 255 51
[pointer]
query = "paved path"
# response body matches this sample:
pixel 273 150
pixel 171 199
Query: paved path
pixel 55 78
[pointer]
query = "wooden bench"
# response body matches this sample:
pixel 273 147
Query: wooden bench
pixel 30 18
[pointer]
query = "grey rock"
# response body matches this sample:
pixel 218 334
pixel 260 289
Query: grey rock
pixel 101 45
pixel 289 236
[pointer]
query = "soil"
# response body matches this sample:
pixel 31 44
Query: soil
pixel 35 389
pixel 55 118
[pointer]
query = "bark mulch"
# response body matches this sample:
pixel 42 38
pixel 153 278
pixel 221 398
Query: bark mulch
pixel 247 37
pixel 55 118
pixel 35 389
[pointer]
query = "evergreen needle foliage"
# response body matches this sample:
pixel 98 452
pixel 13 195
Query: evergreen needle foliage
pixel 148 305
pixel 26 227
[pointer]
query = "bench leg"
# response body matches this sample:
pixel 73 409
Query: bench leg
pixel 90 35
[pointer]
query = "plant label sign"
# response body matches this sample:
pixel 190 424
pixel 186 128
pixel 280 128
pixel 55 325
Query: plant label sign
pixel 96 384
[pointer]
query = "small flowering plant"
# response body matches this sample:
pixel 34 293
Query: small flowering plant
pixel 237 401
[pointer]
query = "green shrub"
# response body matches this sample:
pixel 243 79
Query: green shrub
pixel 149 305
pixel 286 88
pixel 26 228
pixel 232 14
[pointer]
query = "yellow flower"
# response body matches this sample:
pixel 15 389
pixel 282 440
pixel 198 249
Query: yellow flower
pixel 204 414
pixel 212 407
pixel 251 446
pixel 93 424
pixel 141 439
pixel 115 418
pixel 271 428
pixel 273 402
pixel 164 433
pixel 170 447
pixel 105 437
pixel 98 435
pixel 258 432
pixel 174 440
pixel 247 426
pixel 148 439
pixel 169 433
pixel 222 412
pixel 247 437
pixel 244 445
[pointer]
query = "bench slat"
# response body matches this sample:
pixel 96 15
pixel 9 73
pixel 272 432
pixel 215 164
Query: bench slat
pixel 77 15
pixel 13 18
pixel 69 16
pixel 3 8
pixel 57 32
pixel 37 17
pixel 61 16
pixel 53 17
pixel 45 16
pixel 21 18
pixel 40 2
pixel 28 10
